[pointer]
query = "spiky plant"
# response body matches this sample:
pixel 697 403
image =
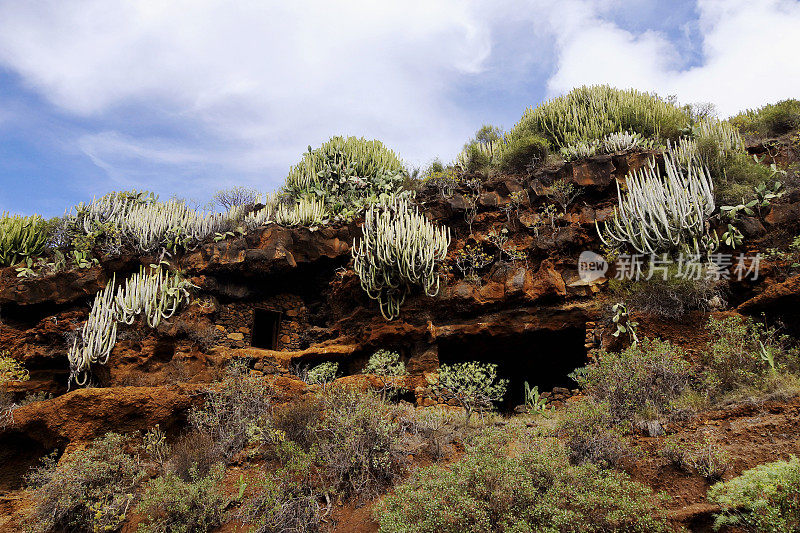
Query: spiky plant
pixel 21 238
pixel 580 150
pixel 589 113
pixel 151 225
pixel 399 249
pixel 663 212
pixel 346 171
pixel 156 294
pixel 305 212
pixel 622 141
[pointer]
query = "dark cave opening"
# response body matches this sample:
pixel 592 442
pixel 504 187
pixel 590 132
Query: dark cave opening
pixel 542 358
pixel 266 325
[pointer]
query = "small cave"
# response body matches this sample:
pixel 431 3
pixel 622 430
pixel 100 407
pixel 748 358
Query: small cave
pixel 18 454
pixel 542 358
pixel 266 326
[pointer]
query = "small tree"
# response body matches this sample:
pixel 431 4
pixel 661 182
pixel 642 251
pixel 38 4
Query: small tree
pixel 236 196
pixel 473 385
pixel 564 193
pixel 386 366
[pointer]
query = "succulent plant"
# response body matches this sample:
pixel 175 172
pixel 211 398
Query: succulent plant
pixel 399 249
pixel 156 294
pixel 21 238
pixel 663 213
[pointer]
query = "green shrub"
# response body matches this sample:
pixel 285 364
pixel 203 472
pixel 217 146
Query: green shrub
pixel 641 382
pixel 739 354
pixel 589 113
pixel 764 498
pixel 233 407
pixel 357 442
pixel 286 498
pixel 739 177
pixel 591 434
pixel 672 297
pixel 387 367
pixel 771 120
pixel 472 385
pixel 518 486
pixel 173 505
pixel 703 456
pixel 322 374
pixel 22 238
pixel 523 152
pixel 347 173
pixel 90 489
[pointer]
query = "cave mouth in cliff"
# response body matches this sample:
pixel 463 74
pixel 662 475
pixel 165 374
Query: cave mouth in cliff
pixel 542 358
pixel 266 325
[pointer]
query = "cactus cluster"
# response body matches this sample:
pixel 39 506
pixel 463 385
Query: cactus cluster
pixel 622 140
pixel 612 143
pixel 347 174
pixel 399 249
pixel 305 212
pixel 156 294
pixel 151 225
pixel 589 113
pixel 21 238
pixel 660 214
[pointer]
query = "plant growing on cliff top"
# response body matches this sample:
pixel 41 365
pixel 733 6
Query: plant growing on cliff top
pixel 590 113
pixel 21 238
pixel 156 294
pixel 346 173
pixel 399 250
pixel 663 213
pixel 472 385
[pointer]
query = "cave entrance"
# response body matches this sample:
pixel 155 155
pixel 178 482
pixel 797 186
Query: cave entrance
pixel 266 325
pixel 542 358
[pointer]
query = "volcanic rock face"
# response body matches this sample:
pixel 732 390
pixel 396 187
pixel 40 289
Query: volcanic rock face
pixel 281 297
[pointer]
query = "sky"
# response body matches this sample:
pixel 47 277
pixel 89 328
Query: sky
pixel 186 97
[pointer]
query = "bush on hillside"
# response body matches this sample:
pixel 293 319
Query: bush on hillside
pixel 764 498
pixel 743 353
pixel 525 485
pixel 640 382
pixel 91 489
pixel 672 297
pixel 233 407
pixel 174 505
pixel 285 498
pixel 772 120
pixel 357 442
pixel 523 153
pixel 591 434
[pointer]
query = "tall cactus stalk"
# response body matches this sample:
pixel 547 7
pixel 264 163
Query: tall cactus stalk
pixel 157 295
pixel 399 249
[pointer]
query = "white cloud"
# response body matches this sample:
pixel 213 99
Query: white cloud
pixel 749 51
pixel 246 83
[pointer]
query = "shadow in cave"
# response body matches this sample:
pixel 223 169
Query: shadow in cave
pixel 542 358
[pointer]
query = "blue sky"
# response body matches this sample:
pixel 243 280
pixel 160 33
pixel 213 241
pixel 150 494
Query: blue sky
pixel 184 97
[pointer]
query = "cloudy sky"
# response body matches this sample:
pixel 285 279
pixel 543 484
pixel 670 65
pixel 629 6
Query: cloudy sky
pixel 184 97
